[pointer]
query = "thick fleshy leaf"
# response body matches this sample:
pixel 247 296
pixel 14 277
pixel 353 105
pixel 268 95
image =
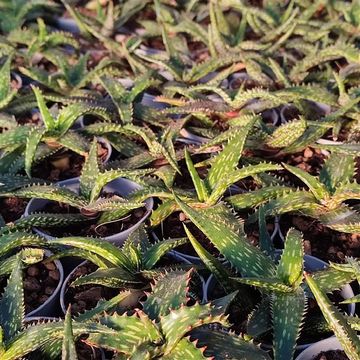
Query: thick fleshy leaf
pixel 290 268
pixel 343 331
pixel 338 170
pixel 178 322
pixel 185 349
pixel 32 143
pixel 213 264
pixel 224 231
pixel 111 277
pixel 154 254
pixel 68 345
pixel 200 187
pixel 315 186
pixel 12 308
pixel 35 337
pixel 287 316
pixel 89 172
pixel 46 116
pixel 224 345
pixel 169 292
pixel 229 157
pixel 102 248
pixel 143 332
pixel 265 283
pixel 259 321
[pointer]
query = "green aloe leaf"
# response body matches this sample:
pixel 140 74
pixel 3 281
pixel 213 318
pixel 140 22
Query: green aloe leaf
pixel 102 248
pixel 168 292
pixel 222 345
pixel 185 349
pixel 12 308
pixel 156 251
pixel 338 170
pixel 32 143
pixel 52 193
pixel 266 284
pixel 46 116
pixel 227 160
pixel 214 265
pixel 291 264
pixel 35 337
pixel 68 345
pixel 287 315
pixel 343 331
pixel 190 317
pixel 111 277
pixel 143 332
pixel 200 187
pixel 223 230
pixel 90 171
pixel 315 186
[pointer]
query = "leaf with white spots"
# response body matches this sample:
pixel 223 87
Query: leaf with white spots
pixel 287 315
pixel 291 263
pixel 337 321
pixel 224 345
pixel 169 292
pixel 227 160
pixel 12 303
pixel 223 230
pixel 179 322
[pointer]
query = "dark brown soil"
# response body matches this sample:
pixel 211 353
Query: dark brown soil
pixel 332 355
pixel 12 208
pixel 320 241
pixel 86 297
pixel 91 228
pixel 64 165
pixel 40 281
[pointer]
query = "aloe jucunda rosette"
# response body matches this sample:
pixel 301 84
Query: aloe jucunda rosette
pixel 89 202
pixel 222 173
pixel 56 133
pixel 283 307
pixel 167 327
pixel 325 199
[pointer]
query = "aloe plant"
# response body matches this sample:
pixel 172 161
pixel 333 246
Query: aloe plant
pixel 56 133
pixel 162 327
pixel 40 41
pixel 281 283
pixel 15 13
pixel 90 202
pixel 132 266
pixel 325 198
pixel 346 335
pixel 223 172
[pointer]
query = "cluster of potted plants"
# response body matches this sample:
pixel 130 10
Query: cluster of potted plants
pixel 178 179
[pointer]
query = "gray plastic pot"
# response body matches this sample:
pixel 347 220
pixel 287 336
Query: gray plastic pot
pixel 315 349
pixel 121 186
pixel 51 304
pixel 312 264
pixel 67 24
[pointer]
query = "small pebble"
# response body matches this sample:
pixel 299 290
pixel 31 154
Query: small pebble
pixel 54 274
pixel 50 265
pixel 308 153
pixel 49 290
pixel 32 271
pixel 182 216
pixel 32 284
